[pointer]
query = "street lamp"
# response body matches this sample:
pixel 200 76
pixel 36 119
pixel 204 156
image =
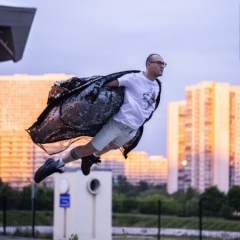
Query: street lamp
pixel 184 162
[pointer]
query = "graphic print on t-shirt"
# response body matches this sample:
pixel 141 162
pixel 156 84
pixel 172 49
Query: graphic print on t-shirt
pixel 149 99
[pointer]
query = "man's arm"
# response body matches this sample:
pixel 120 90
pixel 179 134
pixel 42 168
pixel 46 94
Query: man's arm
pixel 113 83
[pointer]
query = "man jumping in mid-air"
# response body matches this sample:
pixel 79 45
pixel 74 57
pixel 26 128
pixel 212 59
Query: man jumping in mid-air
pixel 141 91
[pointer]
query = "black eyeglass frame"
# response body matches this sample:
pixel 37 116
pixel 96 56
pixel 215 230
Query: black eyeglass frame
pixel 160 63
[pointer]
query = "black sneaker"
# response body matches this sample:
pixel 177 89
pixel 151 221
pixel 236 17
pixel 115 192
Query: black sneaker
pixel 48 168
pixel 87 162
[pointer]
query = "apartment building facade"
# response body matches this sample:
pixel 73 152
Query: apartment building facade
pixel 203 138
pixel 22 98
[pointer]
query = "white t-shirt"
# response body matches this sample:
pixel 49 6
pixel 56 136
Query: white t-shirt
pixel 139 100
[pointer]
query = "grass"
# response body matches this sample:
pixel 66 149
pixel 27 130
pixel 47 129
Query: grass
pixel 24 218
pixel 141 220
pixel 134 220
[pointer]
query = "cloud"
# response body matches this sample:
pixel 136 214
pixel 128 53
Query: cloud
pixel 198 39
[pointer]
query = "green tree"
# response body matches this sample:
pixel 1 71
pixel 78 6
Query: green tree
pixel 191 193
pixel 234 198
pixel 123 186
pixel 182 196
pixel 118 201
pixel 44 197
pixel 162 189
pixel 213 201
pixel 142 186
pixel 149 204
pixel 9 194
pixel 179 196
pixel 25 197
pixel 6 190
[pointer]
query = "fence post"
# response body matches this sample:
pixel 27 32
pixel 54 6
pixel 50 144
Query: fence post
pixel 33 216
pixel 33 192
pixel 200 219
pixel 4 215
pixel 159 219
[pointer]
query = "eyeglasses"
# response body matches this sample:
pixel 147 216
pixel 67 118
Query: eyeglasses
pixel 160 63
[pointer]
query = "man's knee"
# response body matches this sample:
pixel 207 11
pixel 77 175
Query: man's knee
pixel 112 146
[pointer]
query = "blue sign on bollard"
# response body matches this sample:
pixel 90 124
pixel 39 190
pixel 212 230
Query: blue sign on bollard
pixel 64 200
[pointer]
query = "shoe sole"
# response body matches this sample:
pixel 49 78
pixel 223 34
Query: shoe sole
pixel 38 179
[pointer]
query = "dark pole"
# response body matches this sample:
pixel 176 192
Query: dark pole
pixel 33 216
pixel 159 219
pixel 4 215
pixel 33 194
pixel 200 219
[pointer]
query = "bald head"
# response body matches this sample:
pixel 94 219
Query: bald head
pixel 150 58
pixel 154 66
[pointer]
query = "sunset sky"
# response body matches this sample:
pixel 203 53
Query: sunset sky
pixel 198 39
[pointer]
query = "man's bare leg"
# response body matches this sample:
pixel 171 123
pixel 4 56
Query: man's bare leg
pixel 109 147
pixel 79 152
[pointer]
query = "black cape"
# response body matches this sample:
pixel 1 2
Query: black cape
pixel 77 109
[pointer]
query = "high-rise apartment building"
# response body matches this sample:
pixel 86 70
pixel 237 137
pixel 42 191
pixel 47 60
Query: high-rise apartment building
pixel 203 138
pixel 137 167
pixel 22 99
pixel 234 135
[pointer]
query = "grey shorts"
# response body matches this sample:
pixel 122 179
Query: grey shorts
pixel 115 132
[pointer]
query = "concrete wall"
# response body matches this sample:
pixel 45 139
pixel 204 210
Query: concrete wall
pixel 89 215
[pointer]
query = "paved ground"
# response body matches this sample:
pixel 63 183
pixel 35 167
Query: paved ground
pixel 18 238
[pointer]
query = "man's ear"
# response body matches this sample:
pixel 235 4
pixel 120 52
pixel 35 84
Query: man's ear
pixel 148 65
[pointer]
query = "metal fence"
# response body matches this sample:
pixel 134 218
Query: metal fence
pixel 131 219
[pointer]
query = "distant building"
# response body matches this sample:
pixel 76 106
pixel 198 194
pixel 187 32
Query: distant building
pixel 22 98
pixel 234 136
pixel 203 138
pixel 137 167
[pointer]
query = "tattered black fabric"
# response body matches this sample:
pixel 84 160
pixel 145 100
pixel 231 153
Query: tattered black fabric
pixel 77 109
